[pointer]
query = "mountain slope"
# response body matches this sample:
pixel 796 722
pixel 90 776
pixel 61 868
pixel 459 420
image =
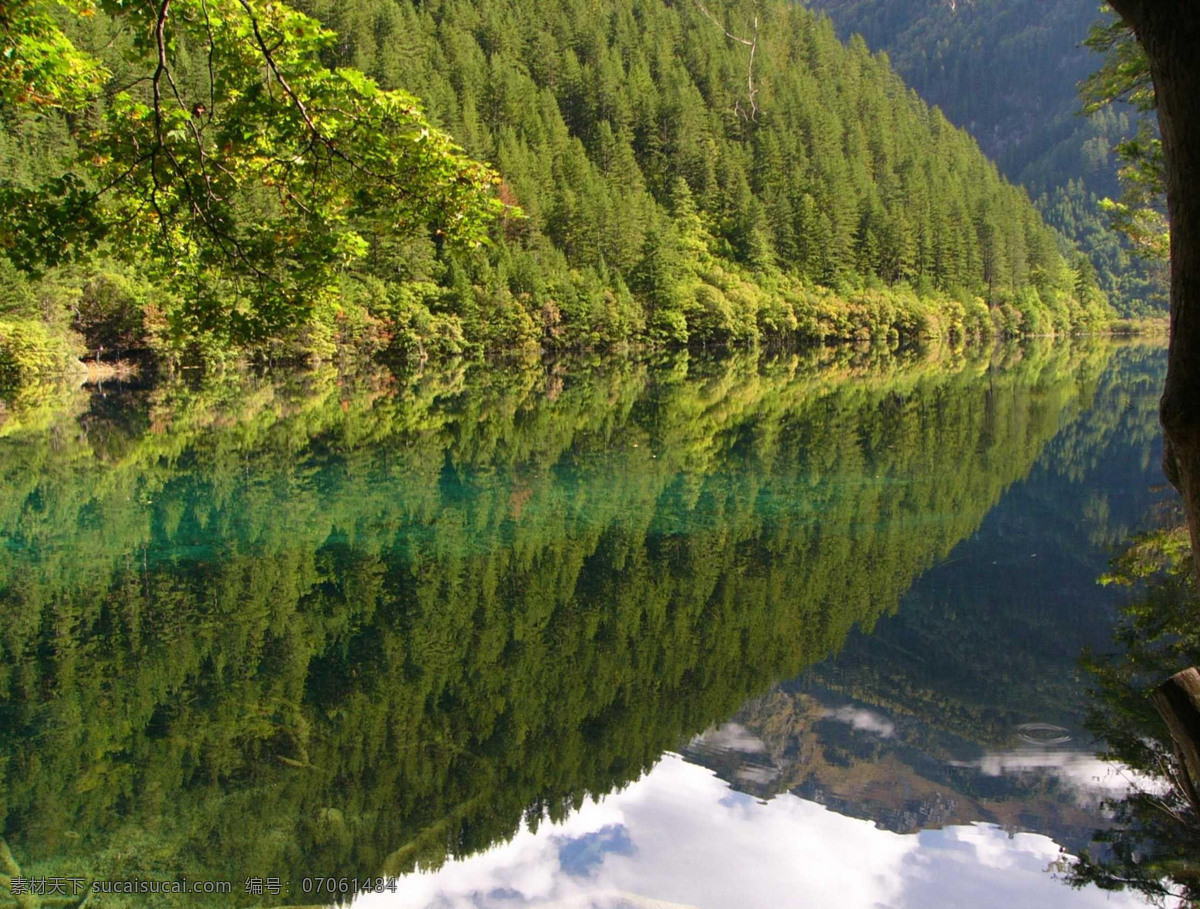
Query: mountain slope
pixel 1007 71
pixel 831 170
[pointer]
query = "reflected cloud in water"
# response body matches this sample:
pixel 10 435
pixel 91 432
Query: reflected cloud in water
pixel 1090 778
pixel 863 720
pixel 680 837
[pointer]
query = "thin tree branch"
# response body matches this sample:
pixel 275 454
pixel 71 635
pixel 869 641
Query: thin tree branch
pixel 728 34
pixel 212 47
pixel 753 45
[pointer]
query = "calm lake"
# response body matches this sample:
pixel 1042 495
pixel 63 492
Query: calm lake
pixel 797 630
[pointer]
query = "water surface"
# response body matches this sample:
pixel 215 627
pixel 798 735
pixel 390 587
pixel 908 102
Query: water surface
pixel 613 635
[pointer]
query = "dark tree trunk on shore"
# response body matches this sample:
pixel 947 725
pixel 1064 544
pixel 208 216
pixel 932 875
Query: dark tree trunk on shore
pixel 1177 701
pixel 1169 30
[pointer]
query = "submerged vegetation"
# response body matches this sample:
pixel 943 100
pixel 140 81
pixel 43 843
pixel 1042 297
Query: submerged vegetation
pixel 666 174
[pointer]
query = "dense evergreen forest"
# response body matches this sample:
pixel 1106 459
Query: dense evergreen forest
pixel 1008 71
pixel 674 173
pixel 312 626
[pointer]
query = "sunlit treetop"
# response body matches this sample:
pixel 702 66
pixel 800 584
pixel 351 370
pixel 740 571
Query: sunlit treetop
pixel 39 65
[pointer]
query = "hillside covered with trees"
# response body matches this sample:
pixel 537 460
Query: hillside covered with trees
pixel 668 173
pixel 1009 72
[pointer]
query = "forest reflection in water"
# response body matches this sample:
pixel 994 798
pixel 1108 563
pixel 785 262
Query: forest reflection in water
pixel 342 628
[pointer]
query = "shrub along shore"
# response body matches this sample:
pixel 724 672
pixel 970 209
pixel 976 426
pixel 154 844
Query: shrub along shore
pixel 110 319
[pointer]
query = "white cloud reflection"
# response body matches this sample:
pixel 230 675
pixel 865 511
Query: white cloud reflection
pixel 732 737
pixel 1089 778
pixel 862 720
pixel 679 837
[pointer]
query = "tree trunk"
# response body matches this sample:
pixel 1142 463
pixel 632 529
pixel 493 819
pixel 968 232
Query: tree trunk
pixel 1178 703
pixel 1169 30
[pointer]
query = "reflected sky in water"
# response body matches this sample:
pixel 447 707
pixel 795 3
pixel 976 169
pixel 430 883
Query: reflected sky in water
pixel 681 836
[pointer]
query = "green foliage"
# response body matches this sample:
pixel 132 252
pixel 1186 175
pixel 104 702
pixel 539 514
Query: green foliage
pixel 230 162
pixel 1124 78
pixel 842 178
pixel 264 183
pixel 30 351
pixel 39 65
pixel 1134 283
pixel 1004 69
pixel 1007 71
pixel 1140 213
